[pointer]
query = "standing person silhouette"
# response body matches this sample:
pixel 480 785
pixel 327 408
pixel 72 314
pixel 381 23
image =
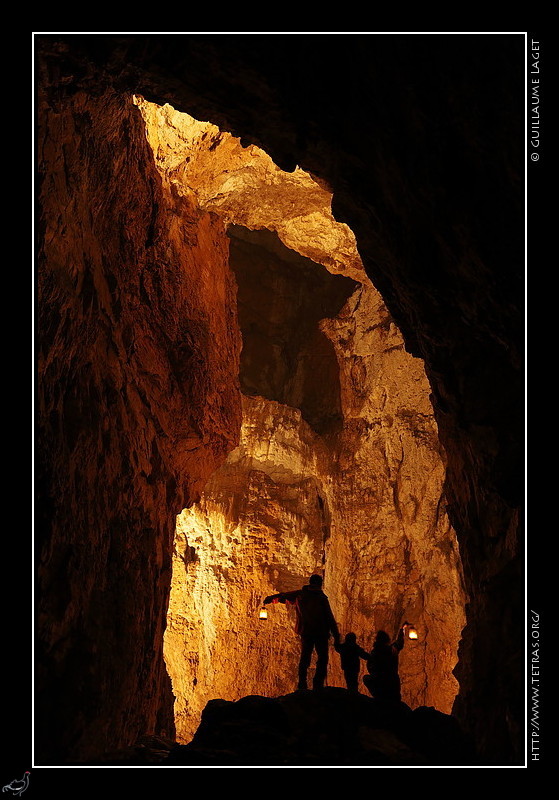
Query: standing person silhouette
pixel 383 680
pixel 314 624
pixel 351 654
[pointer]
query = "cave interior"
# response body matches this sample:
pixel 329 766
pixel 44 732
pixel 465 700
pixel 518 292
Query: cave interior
pixel 279 331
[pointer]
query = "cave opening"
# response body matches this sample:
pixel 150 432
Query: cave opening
pixel 338 467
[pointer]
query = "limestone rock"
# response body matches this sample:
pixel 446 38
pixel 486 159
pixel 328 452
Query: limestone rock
pixel 429 175
pixel 339 469
pixel 138 403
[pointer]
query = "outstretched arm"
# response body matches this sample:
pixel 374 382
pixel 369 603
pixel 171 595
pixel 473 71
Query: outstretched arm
pixel 282 597
pixel 399 641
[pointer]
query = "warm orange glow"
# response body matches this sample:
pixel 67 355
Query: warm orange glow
pixel 245 187
pixel 282 504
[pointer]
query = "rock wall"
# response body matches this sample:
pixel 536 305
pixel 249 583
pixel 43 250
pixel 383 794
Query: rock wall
pixel 423 146
pixel 280 508
pixel 258 525
pixel 339 468
pixel 391 538
pixel 138 403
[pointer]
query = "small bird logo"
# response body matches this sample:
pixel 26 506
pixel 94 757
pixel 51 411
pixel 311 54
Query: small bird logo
pixel 17 787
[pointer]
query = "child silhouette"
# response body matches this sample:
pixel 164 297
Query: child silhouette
pixel 350 653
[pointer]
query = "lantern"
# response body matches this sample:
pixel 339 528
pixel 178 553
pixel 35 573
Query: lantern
pixel 412 633
pixel 263 613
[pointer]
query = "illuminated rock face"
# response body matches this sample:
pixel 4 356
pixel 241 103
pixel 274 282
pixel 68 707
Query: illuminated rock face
pixel 259 524
pixel 339 469
pixel 393 553
pixel 138 404
pixel 278 510
pixel 245 187
pixel 432 186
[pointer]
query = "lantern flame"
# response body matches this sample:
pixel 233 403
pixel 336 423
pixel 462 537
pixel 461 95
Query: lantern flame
pixel 263 613
pixel 412 633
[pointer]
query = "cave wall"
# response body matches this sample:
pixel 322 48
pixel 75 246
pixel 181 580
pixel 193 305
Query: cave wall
pixel 324 348
pixel 360 502
pixel 423 146
pixel 392 552
pixel 258 528
pixel 138 402
pixel 288 502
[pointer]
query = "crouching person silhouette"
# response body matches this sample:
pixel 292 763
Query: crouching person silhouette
pixel 383 680
pixel 351 654
pixel 314 624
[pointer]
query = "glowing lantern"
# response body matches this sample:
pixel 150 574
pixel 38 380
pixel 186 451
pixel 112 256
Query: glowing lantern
pixel 263 613
pixel 412 633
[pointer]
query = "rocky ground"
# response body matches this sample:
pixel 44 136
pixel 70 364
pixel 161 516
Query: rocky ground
pixel 327 728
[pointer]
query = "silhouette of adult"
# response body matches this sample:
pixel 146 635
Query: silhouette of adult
pixel 383 680
pixel 351 654
pixel 314 624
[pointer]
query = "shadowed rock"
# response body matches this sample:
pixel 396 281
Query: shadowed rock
pixel 331 727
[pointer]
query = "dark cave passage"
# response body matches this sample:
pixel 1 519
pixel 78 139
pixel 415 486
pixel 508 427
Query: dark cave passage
pixel 281 298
